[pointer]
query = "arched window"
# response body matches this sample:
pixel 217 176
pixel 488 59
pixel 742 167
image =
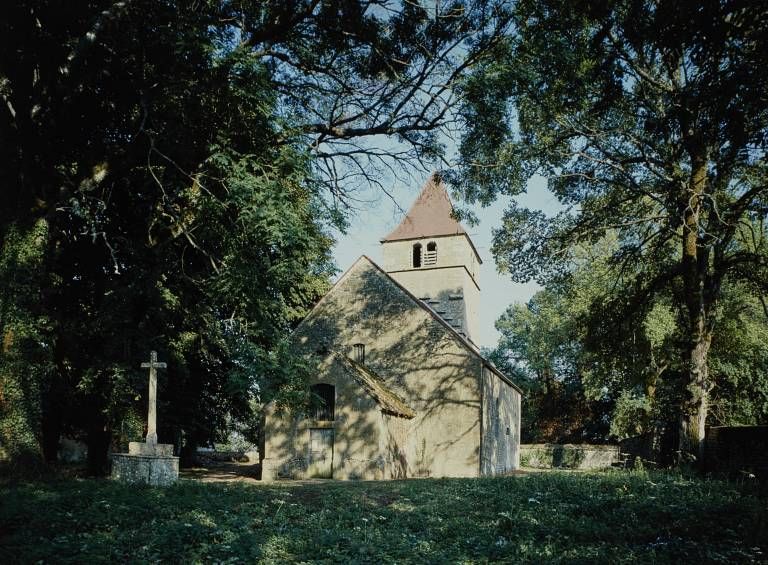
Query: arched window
pixel 431 256
pixel 417 256
pixel 323 401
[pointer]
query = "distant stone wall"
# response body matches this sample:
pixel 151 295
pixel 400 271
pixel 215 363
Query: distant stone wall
pixel 208 456
pixel 737 448
pixel 568 456
pixel 72 451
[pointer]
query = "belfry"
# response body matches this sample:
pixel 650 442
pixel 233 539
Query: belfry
pixel 431 254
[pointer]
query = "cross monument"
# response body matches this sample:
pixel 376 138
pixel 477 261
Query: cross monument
pixel 153 365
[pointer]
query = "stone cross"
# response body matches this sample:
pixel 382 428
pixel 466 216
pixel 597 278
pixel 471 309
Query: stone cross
pixel 153 366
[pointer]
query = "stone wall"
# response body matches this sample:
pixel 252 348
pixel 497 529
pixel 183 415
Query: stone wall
pixel 737 448
pixel 145 469
pixel 500 450
pixel 395 445
pixel 569 456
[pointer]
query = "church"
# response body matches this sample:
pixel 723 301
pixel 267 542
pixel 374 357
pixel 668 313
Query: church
pixel 403 389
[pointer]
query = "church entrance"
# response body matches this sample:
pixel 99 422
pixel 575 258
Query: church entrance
pixel 320 453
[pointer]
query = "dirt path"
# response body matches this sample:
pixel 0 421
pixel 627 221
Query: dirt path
pixel 223 472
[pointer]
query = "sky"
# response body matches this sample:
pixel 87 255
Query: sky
pixel 380 215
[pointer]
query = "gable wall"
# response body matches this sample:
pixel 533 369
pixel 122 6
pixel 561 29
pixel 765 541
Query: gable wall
pixel 419 359
pixel 501 426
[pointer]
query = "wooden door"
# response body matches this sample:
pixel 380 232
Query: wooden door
pixel 320 453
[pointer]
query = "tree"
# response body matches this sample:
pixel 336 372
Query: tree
pixel 169 171
pixel 650 120
pixel 590 372
pixel 541 341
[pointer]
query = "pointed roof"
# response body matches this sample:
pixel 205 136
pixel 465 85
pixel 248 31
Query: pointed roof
pixel 429 216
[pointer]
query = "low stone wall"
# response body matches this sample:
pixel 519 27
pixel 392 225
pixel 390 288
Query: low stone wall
pixel 737 448
pixel 568 456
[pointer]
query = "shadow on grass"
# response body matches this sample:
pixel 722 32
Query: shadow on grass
pixel 552 517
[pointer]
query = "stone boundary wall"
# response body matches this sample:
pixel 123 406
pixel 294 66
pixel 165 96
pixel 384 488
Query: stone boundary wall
pixel 568 456
pixel 737 448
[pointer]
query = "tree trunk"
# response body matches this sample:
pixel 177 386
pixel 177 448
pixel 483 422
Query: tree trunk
pixel 98 447
pixel 695 406
pixel 699 299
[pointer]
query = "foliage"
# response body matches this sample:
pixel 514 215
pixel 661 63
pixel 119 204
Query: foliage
pixel 649 120
pixel 542 340
pixel 552 517
pixel 593 372
pixel 171 217
pixel 25 361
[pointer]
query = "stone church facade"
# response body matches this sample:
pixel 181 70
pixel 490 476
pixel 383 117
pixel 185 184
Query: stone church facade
pixel 405 391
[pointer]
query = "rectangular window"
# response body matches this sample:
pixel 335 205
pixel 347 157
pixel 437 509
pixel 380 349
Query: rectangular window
pixel 360 353
pixel 324 405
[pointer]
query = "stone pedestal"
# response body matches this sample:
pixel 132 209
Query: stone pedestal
pixel 146 463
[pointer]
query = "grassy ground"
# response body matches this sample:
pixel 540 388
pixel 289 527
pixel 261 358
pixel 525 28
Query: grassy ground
pixel 551 517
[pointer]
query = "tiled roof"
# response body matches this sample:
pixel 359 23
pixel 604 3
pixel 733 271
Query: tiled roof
pixel 429 216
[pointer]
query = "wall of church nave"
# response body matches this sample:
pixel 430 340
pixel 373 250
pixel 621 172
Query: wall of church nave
pixel 501 426
pixel 445 445
pixel 444 438
pixel 290 454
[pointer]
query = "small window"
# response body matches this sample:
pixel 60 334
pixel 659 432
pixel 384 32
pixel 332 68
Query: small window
pixel 417 256
pixel 430 258
pixel 360 352
pixel 323 402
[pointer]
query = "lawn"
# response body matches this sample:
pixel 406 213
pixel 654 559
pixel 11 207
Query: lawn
pixel 549 517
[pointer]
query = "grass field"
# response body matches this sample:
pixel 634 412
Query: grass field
pixel 551 517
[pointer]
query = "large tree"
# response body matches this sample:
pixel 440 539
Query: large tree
pixel 650 120
pixel 168 174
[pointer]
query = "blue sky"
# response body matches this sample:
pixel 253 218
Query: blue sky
pixel 379 214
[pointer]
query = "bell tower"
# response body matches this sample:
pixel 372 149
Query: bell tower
pixel 432 255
